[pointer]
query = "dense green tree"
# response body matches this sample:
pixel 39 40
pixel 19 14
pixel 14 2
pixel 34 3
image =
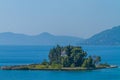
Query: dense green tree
pixel 45 62
pixel 85 63
pixel 54 55
pixel 72 65
pixel 96 59
pixel 90 62
pixel 72 56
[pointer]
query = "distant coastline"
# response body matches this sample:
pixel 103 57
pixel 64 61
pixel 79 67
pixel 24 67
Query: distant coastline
pixel 106 37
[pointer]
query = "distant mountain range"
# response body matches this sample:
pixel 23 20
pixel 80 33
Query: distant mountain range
pixel 45 38
pixel 107 37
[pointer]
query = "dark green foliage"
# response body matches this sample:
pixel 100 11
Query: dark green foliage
pixel 72 56
pixel 54 55
pixel 72 65
pixel 96 59
pixel 45 62
pixel 88 63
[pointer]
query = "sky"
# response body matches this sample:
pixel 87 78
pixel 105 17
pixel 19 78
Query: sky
pixel 81 18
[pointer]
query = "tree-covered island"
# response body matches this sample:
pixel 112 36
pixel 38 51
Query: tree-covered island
pixel 65 58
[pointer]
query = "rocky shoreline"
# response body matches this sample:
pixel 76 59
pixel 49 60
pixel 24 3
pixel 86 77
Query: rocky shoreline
pixel 29 67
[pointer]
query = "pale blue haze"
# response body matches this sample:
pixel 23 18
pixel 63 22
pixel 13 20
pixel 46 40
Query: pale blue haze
pixel 11 55
pixel 81 18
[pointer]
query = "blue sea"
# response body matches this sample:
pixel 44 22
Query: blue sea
pixel 17 55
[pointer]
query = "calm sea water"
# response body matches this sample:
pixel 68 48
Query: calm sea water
pixel 16 55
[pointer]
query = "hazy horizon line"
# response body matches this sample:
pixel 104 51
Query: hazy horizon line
pixel 49 33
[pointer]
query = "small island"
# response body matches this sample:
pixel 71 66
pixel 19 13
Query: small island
pixel 65 58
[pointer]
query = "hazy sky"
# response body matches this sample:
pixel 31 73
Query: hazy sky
pixel 81 18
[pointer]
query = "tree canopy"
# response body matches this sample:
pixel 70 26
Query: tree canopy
pixel 72 56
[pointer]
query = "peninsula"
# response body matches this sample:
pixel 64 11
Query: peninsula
pixel 65 58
